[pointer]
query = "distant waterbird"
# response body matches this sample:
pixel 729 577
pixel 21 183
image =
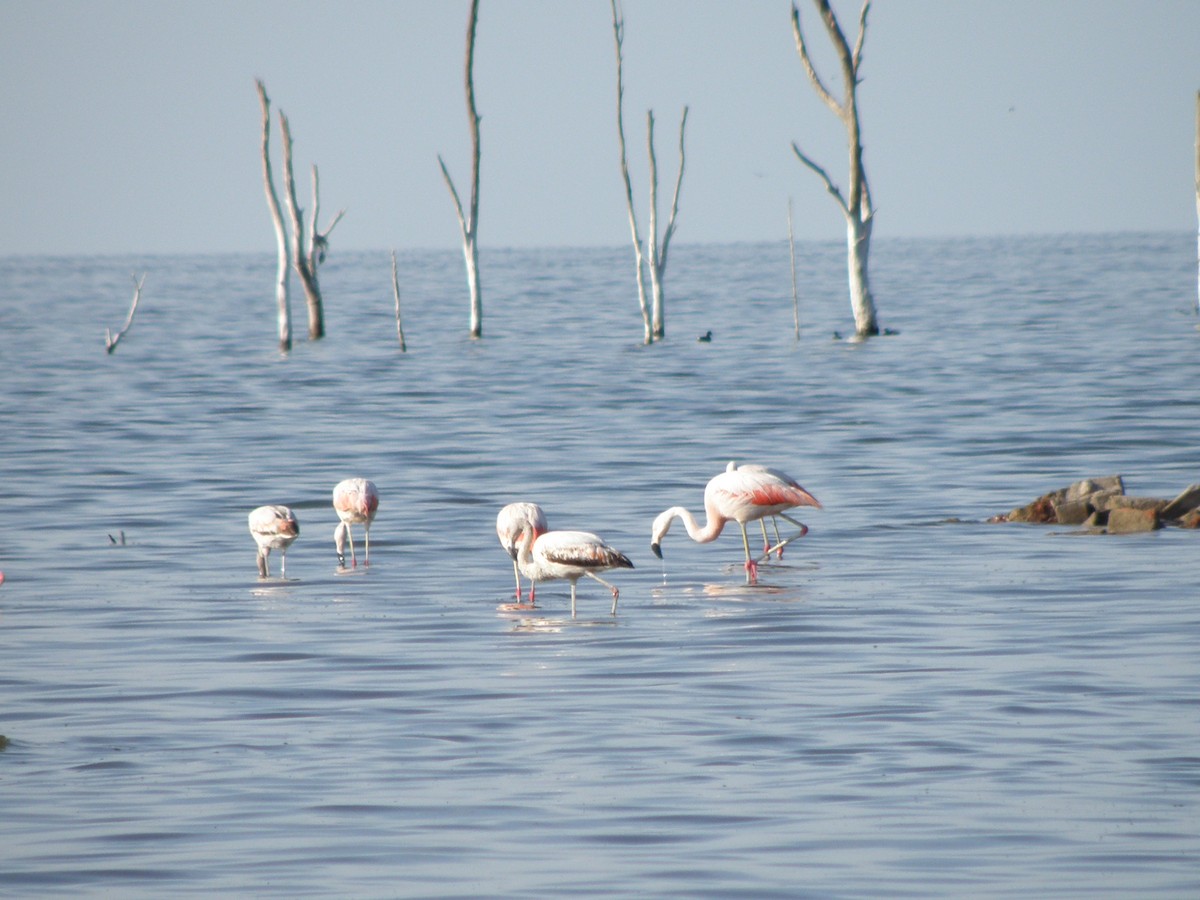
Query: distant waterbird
pixel 273 528
pixel 739 494
pixel 355 500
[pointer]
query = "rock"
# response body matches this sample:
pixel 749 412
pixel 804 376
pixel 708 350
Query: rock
pixel 1081 490
pixel 1190 519
pixel 1131 520
pixel 1123 501
pixel 1040 512
pixel 1186 502
pixel 1072 512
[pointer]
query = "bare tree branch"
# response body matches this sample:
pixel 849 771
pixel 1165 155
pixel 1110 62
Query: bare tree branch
pixel 469 224
pixel 281 242
pixel 396 294
pixel 300 256
pixel 619 36
pixel 462 219
pixel 802 49
pixel 829 185
pixel 667 235
pixel 110 342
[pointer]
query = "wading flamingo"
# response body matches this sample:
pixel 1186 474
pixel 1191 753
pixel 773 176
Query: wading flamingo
pixel 511 521
pixel 273 528
pixel 355 501
pixel 739 494
pixel 570 555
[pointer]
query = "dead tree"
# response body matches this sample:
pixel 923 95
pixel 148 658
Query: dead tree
pixel 468 223
pixel 658 248
pixel 111 340
pixel 856 203
pixel 281 241
pixel 654 259
pixel 396 294
pixel 308 253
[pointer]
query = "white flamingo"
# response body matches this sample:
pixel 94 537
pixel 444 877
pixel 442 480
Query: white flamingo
pixel 569 555
pixel 510 522
pixel 739 494
pixel 355 500
pixel 273 528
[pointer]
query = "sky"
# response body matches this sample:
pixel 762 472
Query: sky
pixel 134 127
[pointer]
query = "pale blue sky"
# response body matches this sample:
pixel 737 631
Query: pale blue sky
pixel 133 127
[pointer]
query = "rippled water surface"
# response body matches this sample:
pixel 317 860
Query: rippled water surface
pixel 913 703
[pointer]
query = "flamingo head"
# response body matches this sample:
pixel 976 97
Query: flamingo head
pixel 339 541
pixel 662 524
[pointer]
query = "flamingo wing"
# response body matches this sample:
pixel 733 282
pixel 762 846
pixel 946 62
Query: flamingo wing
pixel 751 492
pixel 274 522
pixel 580 550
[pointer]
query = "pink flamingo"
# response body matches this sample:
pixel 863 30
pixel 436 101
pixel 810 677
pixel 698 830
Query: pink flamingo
pixel 739 494
pixel 558 555
pixel 273 528
pixel 511 521
pixel 355 500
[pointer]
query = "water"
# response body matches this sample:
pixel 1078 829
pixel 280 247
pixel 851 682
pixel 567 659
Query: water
pixel 914 703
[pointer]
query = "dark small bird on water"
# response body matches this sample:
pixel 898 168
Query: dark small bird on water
pixel 705 338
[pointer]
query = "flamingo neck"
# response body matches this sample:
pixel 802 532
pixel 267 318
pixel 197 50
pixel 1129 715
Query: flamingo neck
pixel 712 528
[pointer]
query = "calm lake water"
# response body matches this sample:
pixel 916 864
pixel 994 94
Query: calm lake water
pixel 913 703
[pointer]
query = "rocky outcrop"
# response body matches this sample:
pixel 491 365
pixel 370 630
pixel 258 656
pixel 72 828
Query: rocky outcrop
pixel 1101 505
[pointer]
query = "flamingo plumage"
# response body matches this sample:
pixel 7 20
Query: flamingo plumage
pixel 273 528
pixel 568 555
pixel 739 494
pixel 510 522
pixel 355 500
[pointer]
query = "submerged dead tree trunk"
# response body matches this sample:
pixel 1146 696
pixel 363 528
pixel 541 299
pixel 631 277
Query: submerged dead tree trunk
pixel 111 340
pixel 281 240
pixel 654 259
pixel 396 294
pixel 468 222
pixel 658 248
pixel 639 258
pixel 856 204
pixel 308 253
pixel 304 254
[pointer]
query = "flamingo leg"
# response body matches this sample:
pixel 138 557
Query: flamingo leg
pixel 517 576
pixel 766 541
pixel 751 565
pixel 283 564
pixel 262 564
pixel 367 541
pixel 779 547
pixel 350 538
pixel 616 594
pixel 573 580
pixel 778 540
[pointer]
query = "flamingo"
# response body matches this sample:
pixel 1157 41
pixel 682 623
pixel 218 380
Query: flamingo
pixel 355 500
pixel 739 494
pixel 273 528
pixel 511 521
pixel 569 555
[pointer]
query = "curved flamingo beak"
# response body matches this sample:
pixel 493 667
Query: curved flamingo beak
pixel 656 549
